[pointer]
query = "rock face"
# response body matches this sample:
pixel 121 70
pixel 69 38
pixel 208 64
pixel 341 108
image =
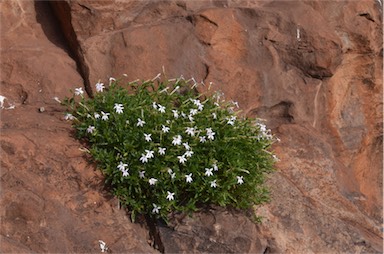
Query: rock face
pixel 312 69
pixel 52 198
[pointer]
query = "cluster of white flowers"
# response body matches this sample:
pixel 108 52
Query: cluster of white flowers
pixel 123 167
pixel 148 155
pixel 264 132
pixel 104 116
pixel 177 140
pixel 192 133
pixel 210 134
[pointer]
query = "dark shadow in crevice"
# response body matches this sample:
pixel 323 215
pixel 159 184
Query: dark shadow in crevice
pixel 51 26
pixel 55 32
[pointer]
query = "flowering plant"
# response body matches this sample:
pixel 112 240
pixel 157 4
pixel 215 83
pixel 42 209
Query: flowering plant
pixel 165 148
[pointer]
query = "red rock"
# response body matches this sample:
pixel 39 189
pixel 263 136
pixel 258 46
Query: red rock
pixel 313 70
pixel 52 198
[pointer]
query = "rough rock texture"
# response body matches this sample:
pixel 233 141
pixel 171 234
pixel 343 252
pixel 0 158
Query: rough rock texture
pixel 312 69
pixel 52 199
pixel 217 231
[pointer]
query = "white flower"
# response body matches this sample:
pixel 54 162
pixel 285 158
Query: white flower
pixel 202 139
pixel 91 129
pixel 140 122
pixel 190 131
pixel 215 168
pixel 236 104
pixel 99 87
pixel 263 127
pixel 154 105
pixel 213 184
pixel 199 105
pixel 79 91
pixel 125 172
pixel 164 128
pixel 214 115
pixel 149 154
pixel 122 166
pixel 188 153
pixel 156 208
pixel 193 111
pixel 104 116
pixel 161 108
pixel 176 140
pixel 240 179
pixel 186 146
pixel 188 178
pixel 97 115
pixel 175 113
pixel 196 102
pixel 152 181
pixel 162 150
pixel 231 120
pixel 208 172
pixel 182 159
pixel 170 172
pixel 183 115
pixel 142 174
pixel 103 246
pixel 170 195
pixel 147 137
pixel 119 108
pixel 191 119
pixel 111 79
pixel 69 116
pixel 143 158
pixel 211 135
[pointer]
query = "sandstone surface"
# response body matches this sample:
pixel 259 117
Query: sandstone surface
pixel 312 69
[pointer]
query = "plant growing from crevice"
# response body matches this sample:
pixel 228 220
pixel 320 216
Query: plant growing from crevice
pixel 164 148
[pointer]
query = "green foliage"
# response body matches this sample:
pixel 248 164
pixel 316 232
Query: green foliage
pixel 165 148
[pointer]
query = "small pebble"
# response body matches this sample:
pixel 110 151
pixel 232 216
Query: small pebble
pixel 41 109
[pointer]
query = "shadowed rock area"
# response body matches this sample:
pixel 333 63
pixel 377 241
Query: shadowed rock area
pixel 311 69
